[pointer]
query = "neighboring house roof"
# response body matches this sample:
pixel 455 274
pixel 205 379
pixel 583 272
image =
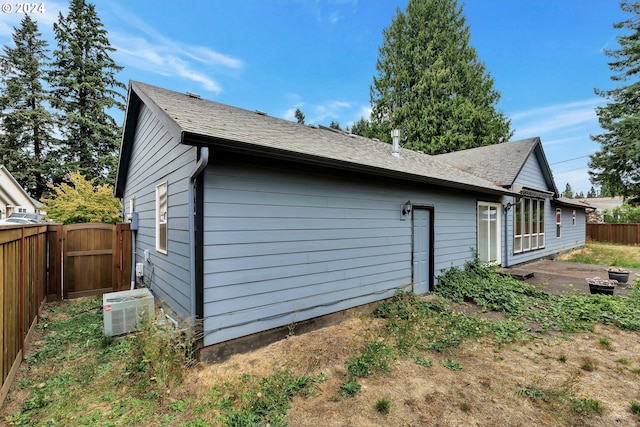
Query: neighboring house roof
pixel 501 163
pixel 602 203
pixel 13 193
pixel 200 122
pixel 573 203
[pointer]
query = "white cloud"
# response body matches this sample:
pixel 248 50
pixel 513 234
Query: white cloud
pixel 44 19
pixel 330 110
pixel 152 51
pixel 208 56
pixel 554 118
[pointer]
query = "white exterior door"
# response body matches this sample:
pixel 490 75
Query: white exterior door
pixel 489 241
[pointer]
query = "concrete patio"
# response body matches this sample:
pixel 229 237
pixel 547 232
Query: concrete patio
pixel 560 277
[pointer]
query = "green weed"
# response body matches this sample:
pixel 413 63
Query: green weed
pixel 420 360
pixel 383 405
pixel 349 388
pixel 375 355
pixel 452 365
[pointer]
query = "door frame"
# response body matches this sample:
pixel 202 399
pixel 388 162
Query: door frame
pixel 498 207
pixel 431 244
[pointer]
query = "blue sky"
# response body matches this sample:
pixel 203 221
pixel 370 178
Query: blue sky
pixel 546 57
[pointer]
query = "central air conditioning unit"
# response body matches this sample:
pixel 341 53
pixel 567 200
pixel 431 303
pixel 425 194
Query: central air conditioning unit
pixel 123 312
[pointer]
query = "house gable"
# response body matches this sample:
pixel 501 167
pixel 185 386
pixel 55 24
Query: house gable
pixel 13 196
pixel 518 162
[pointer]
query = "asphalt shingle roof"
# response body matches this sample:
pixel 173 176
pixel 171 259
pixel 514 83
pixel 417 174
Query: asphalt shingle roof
pixel 500 163
pixel 218 124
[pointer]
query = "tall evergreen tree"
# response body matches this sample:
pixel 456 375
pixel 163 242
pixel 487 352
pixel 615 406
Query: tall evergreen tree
pixel 84 89
pixel 26 124
pixel 431 85
pixel 616 166
pixel 568 191
pixel 299 116
pixel 364 127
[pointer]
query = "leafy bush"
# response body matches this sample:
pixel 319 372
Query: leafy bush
pixel 529 305
pixel 622 214
pixel 81 202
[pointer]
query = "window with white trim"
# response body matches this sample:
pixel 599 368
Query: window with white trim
pixel 573 217
pixel 528 225
pixel 558 223
pixel 161 217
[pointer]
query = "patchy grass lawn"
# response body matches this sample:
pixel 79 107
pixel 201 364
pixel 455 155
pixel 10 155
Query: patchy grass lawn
pixel 484 350
pixel 605 254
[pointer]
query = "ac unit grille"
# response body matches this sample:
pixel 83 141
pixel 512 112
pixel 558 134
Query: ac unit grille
pixel 124 311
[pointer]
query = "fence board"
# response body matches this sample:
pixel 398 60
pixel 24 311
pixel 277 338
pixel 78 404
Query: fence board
pixel 31 271
pixel 89 259
pixel 625 234
pixel 22 275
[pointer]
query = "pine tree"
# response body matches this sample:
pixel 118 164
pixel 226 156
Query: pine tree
pixel 616 166
pixel 84 89
pixel 568 191
pixel 299 116
pixel 26 126
pixel 364 127
pixel 431 85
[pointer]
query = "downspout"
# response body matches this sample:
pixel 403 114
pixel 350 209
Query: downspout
pixel 134 230
pixel 506 236
pixel 200 166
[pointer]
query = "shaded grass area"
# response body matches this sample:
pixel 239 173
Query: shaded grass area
pixel 77 376
pixel 606 254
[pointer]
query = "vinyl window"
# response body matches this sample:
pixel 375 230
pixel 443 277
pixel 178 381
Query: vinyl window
pixel 528 221
pixel 161 217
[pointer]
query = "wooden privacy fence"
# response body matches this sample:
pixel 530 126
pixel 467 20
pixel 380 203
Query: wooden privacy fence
pixel 23 288
pixel 625 234
pixel 46 262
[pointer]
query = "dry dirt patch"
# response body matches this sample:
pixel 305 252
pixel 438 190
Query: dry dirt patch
pixel 491 389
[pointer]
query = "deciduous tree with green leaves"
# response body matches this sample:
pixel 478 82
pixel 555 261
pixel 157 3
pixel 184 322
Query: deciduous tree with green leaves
pixel 82 201
pixel 616 166
pixel 85 89
pixel 431 85
pixel 26 124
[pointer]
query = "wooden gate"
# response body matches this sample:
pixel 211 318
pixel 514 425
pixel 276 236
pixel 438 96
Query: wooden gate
pixel 90 259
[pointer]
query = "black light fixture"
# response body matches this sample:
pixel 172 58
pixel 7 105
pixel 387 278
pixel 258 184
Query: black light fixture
pixel 406 208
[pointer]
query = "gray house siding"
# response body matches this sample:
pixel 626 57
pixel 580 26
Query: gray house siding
pixel 282 246
pixel 158 157
pixel 531 175
pixel 572 235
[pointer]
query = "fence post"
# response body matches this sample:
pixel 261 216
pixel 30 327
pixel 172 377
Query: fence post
pixel 21 284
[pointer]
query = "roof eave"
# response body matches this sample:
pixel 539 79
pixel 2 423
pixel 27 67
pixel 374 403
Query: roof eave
pixel 135 99
pixel 280 154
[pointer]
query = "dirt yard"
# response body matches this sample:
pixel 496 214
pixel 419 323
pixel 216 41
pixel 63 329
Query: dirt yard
pixel 493 389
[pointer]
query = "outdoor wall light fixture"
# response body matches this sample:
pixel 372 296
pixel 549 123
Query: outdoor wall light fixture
pixel 509 205
pixel 406 208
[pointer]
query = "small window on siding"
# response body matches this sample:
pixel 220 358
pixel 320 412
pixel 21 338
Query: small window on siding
pixel 558 223
pixel 161 218
pixel 573 218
